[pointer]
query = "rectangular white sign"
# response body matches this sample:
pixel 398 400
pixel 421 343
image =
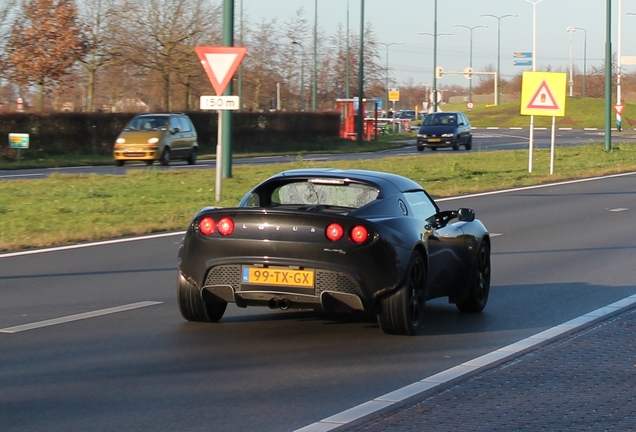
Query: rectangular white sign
pixel 220 103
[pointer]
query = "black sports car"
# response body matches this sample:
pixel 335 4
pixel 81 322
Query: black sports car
pixel 334 240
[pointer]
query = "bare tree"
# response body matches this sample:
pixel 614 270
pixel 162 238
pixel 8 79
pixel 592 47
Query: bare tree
pixel 261 66
pixel 160 35
pixel 97 16
pixel 45 41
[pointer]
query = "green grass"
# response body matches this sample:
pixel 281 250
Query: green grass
pixel 579 113
pixel 65 209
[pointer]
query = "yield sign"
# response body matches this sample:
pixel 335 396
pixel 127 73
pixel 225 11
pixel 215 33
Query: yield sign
pixel 619 108
pixel 220 63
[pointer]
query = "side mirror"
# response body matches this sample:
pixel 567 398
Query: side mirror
pixel 466 215
pixel 174 130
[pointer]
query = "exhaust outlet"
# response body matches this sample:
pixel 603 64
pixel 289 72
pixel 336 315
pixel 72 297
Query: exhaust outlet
pixel 284 304
pixel 273 304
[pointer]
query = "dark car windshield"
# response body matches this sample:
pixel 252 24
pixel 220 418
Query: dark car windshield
pixel 147 123
pixel 440 119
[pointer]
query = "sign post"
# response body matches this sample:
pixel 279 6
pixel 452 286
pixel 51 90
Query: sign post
pixel 220 64
pixel 19 141
pixel 543 94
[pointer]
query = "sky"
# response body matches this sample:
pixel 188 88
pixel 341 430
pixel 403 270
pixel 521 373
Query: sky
pixel 401 20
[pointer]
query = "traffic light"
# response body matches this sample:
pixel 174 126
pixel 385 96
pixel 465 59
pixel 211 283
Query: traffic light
pixel 439 71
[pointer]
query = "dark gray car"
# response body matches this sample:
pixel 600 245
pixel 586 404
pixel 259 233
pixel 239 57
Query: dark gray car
pixel 445 129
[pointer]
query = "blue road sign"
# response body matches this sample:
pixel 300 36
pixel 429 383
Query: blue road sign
pixel 523 62
pixel 522 54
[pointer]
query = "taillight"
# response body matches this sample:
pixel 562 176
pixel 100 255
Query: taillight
pixel 207 226
pixel 225 226
pixel 359 234
pixel 334 232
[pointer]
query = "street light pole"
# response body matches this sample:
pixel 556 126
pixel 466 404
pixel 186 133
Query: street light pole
pixel 387 45
pixel 434 89
pixel 584 58
pixel 571 81
pixel 302 76
pixel 499 18
pixel 314 103
pixel 360 118
pixel 470 63
pixel 534 68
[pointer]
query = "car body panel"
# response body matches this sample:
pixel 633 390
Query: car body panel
pixel 147 136
pixel 444 129
pixel 274 235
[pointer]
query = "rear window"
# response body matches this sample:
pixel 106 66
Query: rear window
pixel 315 192
pixel 324 192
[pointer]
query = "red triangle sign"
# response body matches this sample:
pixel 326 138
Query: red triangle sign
pixel 220 63
pixel 619 108
pixel 543 99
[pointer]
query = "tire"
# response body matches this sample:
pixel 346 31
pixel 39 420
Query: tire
pixel 119 163
pixel 420 148
pixel 469 143
pixel 192 306
pixel 455 146
pixel 165 157
pixel 479 283
pixel 149 162
pixel 434 148
pixel 192 159
pixel 402 312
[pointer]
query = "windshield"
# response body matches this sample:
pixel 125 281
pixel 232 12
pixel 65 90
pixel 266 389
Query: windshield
pixel 148 123
pixel 440 119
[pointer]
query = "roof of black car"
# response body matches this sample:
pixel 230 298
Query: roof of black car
pixel 383 179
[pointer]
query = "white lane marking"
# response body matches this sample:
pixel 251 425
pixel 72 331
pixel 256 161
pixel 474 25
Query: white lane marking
pixel 22 175
pixel 153 236
pixel 495 235
pixel 475 195
pixel 83 245
pixel 620 209
pixel 432 381
pixel 77 317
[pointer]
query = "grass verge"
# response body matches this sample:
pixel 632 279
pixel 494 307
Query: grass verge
pixel 64 209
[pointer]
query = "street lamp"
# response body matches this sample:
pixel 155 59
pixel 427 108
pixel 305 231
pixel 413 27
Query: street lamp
pixel 584 58
pixel 387 45
pixel 314 103
pixel 302 75
pixel 470 64
pixel 434 91
pixel 499 18
pixel 571 81
pixel 534 68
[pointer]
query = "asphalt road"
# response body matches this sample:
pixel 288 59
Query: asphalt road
pixel 483 140
pixel 558 252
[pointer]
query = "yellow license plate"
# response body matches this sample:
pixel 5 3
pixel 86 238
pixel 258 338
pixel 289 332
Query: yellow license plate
pixel 434 140
pixel 278 277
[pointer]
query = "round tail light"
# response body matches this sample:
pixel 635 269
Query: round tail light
pixel 225 226
pixel 334 232
pixel 359 234
pixel 207 226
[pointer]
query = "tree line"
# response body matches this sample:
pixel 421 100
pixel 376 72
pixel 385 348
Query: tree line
pixel 138 55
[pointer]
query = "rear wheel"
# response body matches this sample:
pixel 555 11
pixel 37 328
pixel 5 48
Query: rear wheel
pixel 165 157
pixel 119 163
pixel 469 143
pixel 192 306
pixel 192 159
pixel 479 284
pixel 149 162
pixel 420 148
pixel 402 312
